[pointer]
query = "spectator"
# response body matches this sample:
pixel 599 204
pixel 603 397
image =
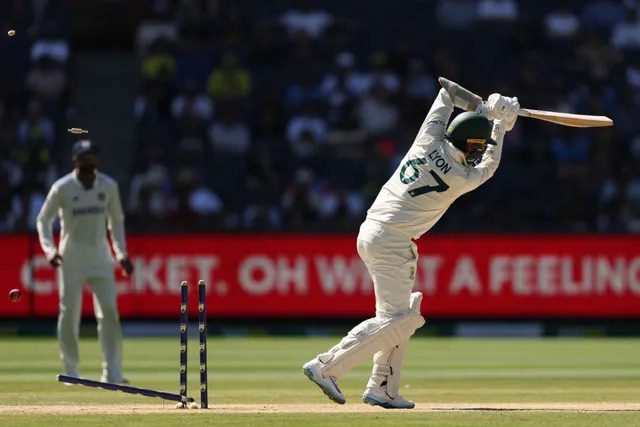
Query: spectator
pixel 419 85
pixel 233 32
pixel 230 81
pixel 304 90
pixel 497 11
pixel 381 75
pixel 10 179
pixel 158 26
pixel 345 149
pixel 306 19
pixel 268 160
pixel 154 103
pixel 561 22
pixel 626 34
pixel 344 82
pixel 192 104
pixel 603 15
pixel 613 203
pixel 230 141
pixel 36 131
pixel 26 203
pixel 195 206
pixel 47 80
pixel 341 208
pixel 160 63
pixel 306 133
pixel 299 200
pixel 52 46
pixel 229 134
pixel 261 215
pixel 149 190
pixel 377 113
pixel 595 57
pixel 193 61
pixel 456 15
pixel 268 53
pixel 193 20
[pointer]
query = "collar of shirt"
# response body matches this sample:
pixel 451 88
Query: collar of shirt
pixel 77 180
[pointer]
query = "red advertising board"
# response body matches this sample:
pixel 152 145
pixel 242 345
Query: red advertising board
pixel 482 276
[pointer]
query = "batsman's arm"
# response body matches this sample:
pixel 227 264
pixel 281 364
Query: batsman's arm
pixel 438 116
pixel 491 160
pixel 462 98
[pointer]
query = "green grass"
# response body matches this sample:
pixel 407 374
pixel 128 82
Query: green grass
pixel 266 371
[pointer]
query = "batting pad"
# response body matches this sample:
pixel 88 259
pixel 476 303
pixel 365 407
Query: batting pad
pixel 366 339
pixel 387 364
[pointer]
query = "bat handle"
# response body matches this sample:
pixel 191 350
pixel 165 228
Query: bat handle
pixel 523 112
pixel 455 90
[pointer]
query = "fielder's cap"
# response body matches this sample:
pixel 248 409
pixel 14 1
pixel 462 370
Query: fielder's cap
pixel 83 146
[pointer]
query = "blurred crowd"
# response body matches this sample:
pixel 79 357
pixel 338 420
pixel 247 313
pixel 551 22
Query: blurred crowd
pixel 290 115
pixel 35 57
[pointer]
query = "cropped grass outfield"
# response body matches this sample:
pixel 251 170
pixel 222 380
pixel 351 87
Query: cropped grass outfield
pixel 264 374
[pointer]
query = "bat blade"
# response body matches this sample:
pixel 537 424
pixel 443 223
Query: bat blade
pixel 567 119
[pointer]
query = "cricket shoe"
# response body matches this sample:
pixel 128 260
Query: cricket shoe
pixel 328 385
pixel 378 397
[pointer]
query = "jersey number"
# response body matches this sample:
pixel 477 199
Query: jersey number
pixel 413 164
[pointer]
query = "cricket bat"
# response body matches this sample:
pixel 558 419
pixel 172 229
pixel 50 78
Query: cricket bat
pixel 564 119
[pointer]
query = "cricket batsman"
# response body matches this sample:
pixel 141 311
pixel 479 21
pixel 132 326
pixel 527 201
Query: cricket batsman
pixel 442 164
pixel 87 202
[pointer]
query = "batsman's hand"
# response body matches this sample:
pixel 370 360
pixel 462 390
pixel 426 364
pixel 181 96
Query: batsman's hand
pixel 505 111
pixel 127 266
pixel 498 106
pixel 56 260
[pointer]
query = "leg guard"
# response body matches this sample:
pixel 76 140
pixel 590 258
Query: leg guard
pixel 368 338
pixel 387 367
pixel 387 364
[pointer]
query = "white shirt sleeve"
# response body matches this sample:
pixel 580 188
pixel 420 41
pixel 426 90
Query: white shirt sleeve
pixel 437 118
pixel 115 222
pixel 489 164
pixel 47 214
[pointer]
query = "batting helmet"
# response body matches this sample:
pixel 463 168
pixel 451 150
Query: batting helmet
pixel 470 133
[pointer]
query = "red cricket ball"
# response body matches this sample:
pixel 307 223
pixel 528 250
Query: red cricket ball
pixel 15 295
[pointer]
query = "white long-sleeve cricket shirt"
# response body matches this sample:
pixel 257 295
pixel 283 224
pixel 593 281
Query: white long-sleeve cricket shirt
pixel 85 216
pixel 432 175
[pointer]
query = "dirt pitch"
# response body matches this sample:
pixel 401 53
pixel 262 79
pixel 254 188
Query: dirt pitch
pixel 169 407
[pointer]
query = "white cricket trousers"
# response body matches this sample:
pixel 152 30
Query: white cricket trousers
pixel 103 286
pixel 391 258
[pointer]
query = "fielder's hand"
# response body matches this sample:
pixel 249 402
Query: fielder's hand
pixel 127 267
pixel 56 261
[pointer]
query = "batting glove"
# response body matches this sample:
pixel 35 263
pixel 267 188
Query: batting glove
pixel 508 112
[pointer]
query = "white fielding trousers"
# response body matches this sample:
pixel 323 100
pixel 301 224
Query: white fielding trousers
pixel 103 286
